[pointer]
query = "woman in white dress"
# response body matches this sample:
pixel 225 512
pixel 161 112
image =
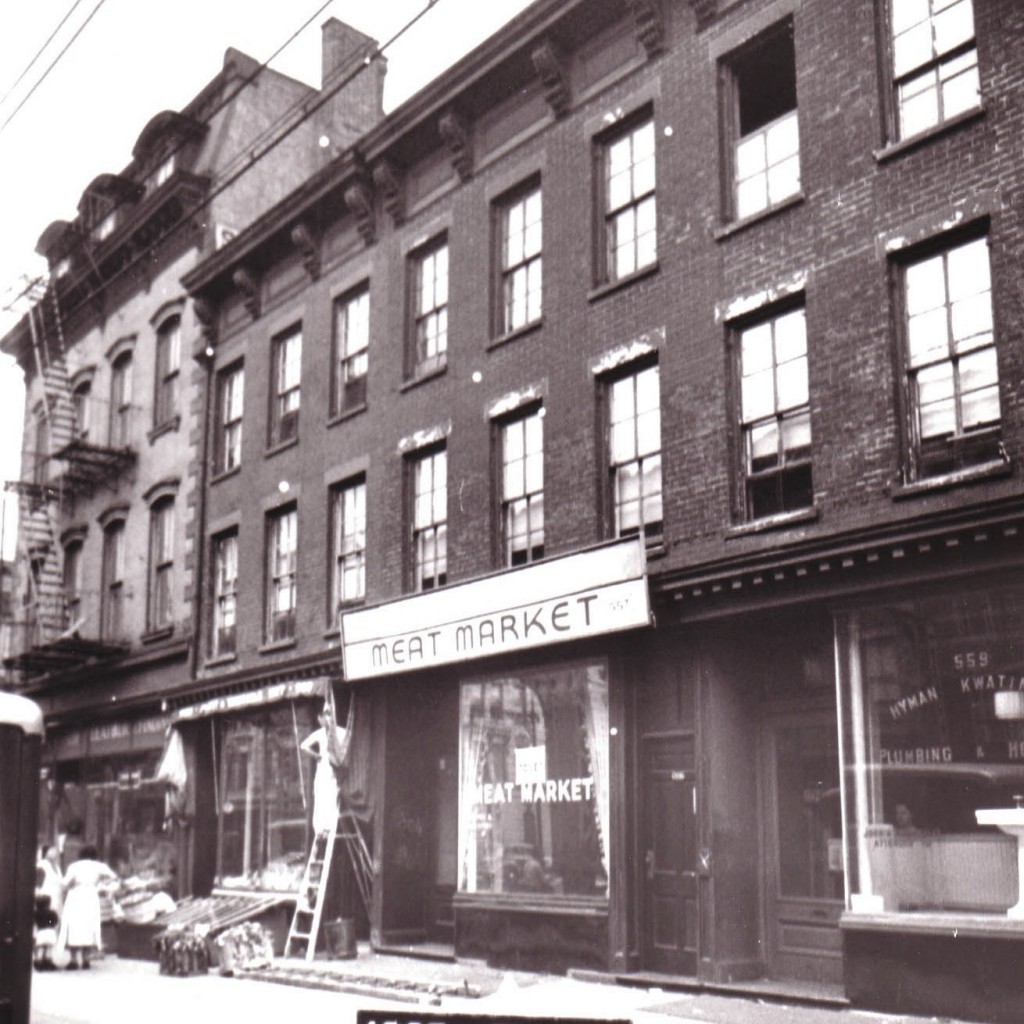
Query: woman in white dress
pixel 80 921
pixel 329 756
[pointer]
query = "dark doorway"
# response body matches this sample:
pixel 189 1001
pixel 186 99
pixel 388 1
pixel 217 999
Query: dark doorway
pixel 669 833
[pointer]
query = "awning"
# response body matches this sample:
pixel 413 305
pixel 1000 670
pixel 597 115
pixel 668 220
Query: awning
pixel 270 694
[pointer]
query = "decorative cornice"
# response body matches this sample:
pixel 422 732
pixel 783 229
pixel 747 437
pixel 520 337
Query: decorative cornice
pixel 455 133
pixel 391 187
pixel 308 244
pixel 359 200
pixel 249 286
pixel 549 63
pixel 650 26
pixel 206 314
pixel 705 11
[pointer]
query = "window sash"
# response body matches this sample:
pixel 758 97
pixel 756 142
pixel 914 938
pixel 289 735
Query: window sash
pixel 522 489
pixel 430 520
pixel 630 212
pixel 113 581
pixel 634 446
pixel 120 402
pixel 349 544
pixel 521 262
pixel 287 374
pixel 281 576
pixel 161 565
pixel 225 595
pixel 767 165
pixel 231 412
pixel 168 357
pixel 431 309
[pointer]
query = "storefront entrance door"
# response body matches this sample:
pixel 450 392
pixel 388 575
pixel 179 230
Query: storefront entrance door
pixel 803 854
pixel 670 855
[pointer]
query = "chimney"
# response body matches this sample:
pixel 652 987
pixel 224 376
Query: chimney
pixel 358 105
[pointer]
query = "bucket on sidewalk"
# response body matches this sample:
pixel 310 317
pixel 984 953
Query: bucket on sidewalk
pixel 340 938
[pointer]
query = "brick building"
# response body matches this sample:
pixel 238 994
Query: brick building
pixel 113 408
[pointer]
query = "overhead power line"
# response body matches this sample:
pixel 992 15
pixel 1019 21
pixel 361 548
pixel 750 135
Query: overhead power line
pixel 39 52
pixel 364 62
pixel 42 78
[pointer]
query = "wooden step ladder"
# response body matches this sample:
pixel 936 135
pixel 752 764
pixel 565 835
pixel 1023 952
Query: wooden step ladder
pixel 309 905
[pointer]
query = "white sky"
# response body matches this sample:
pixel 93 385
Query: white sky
pixel 136 58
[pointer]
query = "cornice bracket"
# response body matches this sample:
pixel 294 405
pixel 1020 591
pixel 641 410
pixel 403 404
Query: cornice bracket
pixel 390 185
pixel 359 199
pixel 649 23
pixel 550 65
pixel 455 133
pixel 705 10
pixel 206 314
pixel 308 244
pixel 246 282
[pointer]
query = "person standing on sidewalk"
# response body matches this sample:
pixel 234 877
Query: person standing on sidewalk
pixel 80 921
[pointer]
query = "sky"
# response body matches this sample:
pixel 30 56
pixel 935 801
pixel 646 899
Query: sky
pixel 127 60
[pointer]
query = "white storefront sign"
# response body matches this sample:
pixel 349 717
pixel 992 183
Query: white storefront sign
pixel 585 594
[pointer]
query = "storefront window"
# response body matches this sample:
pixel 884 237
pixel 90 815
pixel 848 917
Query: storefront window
pixel 265 790
pixel 933 732
pixel 533 803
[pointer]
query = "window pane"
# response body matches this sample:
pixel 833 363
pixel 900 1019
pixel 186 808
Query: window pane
pixel 972 322
pixel 758 395
pixel 908 12
pixel 756 348
pixel 648 430
pixel 782 139
pixel 969 270
pixel 928 337
pixel 751 156
pixel 796 435
pixel 919 104
pixel 791 381
pixel 790 336
pixel 926 286
pixel 764 445
pixel 784 180
pixel 953 26
pixel 912 48
pixel 961 92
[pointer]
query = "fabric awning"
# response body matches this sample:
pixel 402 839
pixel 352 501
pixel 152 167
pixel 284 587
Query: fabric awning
pixel 269 694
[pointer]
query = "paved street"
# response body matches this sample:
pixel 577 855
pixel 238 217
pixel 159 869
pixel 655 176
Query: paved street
pixel 118 991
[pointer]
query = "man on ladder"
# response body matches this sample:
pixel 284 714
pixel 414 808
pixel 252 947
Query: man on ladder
pixel 331 819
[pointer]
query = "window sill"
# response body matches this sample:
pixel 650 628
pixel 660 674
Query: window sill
pixel 653 552
pixel 220 659
pixel 515 335
pixel 895 149
pixel 332 633
pixel 601 290
pixel 165 428
pixel 986 471
pixel 422 378
pixel 281 447
pixel 225 473
pixel 776 522
pixel 532 903
pixel 154 636
pixel 276 645
pixel 346 414
pixel 736 226
pixel 949 923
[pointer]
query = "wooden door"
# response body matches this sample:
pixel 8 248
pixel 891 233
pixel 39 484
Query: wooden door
pixel 669 832
pixel 803 853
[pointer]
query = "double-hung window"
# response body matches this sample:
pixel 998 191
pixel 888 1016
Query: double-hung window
pixel 634 453
pixel 81 399
pixel 121 401
pixel 775 415
pixel 522 488
pixel 282 555
pixel 761 136
pixel 112 612
pixel 935 62
pixel 951 365
pixel 429 269
pixel 230 389
pixel 287 368
pixel 351 341
pixel 348 513
pixel 161 564
pixel 73 582
pixel 629 213
pixel 168 368
pixel 520 260
pixel 225 593
pixel 430 519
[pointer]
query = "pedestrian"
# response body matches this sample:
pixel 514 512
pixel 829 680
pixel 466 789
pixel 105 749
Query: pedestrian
pixel 49 881
pixel 44 933
pixel 80 922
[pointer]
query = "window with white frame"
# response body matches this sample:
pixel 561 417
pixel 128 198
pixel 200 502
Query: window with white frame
pixel 429 268
pixel 351 343
pixel 230 394
pixel 429 472
pixel 935 62
pixel 112 611
pixel 287 376
pixel 762 138
pixel 520 234
pixel 951 360
pixel 522 488
pixel 225 593
pixel 630 215
pixel 121 401
pixel 282 556
pixel 348 513
pixel 168 368
pixel 775 415
pixel 81 400
pixel 634 453
pixel 161 564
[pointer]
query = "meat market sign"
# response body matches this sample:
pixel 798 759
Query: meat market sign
pixel 589 593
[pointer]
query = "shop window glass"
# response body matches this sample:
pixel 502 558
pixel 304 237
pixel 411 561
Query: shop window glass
pixel 265 791
pixel 533 804
pixel 934 733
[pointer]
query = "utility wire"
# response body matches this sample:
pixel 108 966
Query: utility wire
pixel 42 78
pixel 365 61
pixel 39 53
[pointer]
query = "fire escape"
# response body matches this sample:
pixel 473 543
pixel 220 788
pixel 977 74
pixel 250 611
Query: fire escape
pixel 66 466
